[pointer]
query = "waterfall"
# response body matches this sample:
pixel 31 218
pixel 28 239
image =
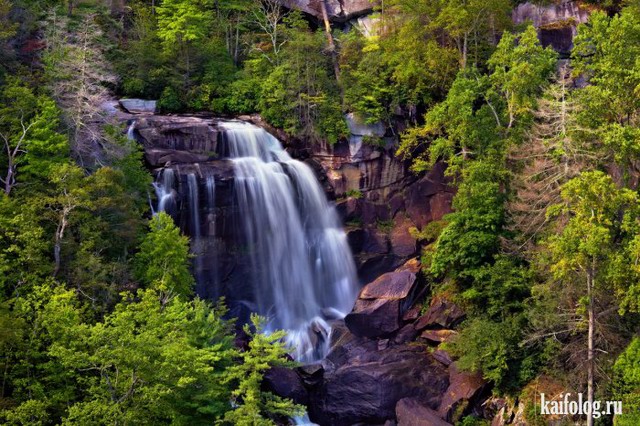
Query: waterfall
pixel 302 268
pixel 130 130
pixel 212 247
pixel 297 266
pixel 194 231
pixel 165 191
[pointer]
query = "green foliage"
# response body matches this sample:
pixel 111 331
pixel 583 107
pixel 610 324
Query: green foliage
pixel 414 53
pixel 481 112
pixel 354 193
pixel 599 215
pixel 605 51
pixel 169 100
pixel 488 346
pixel 253 405
pixel 181 21
pixel 299 94
pixel 385 226
pixel 163 260
pixel 29 127
pixel 500 288
pixel 471 237
pixel 626 384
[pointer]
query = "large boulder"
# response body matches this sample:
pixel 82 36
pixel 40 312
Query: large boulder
pixel 463 388
pixel 158 157
pixel 337 10
pixel 410 412
pixel 442 313
pixel 377 311
pixel 193 134
pixel 286 383
pixel 138 106
pixel 368 385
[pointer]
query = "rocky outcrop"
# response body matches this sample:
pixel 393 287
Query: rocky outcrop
pixel 377 373
pixel 379 199
pixel 441 314
pixel 176 140
pixel 379 308
pixel 337 10
pixel 138 106
pixel 556 22
pixel 463 389
pixel 363 379
pixel 410 412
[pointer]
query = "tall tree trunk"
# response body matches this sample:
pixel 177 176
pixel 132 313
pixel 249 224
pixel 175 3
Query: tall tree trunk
pixel 10 179
pixel 590 360
pixel 57 248
pixel 465 42
pixel 332 45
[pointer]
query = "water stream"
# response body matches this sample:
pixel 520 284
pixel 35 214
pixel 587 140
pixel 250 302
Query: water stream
pixel 301 270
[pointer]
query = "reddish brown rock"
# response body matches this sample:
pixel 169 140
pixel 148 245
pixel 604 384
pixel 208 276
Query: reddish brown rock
pixel 411 265
pixel 393 285
pixel 286 383
pixel 405 335
pixel 419 194
pixel 403 244
pixel 463 387
pixel 367 384
pixel 410 412
pixel 377 311
pixel 440 205
pixel 442 356
pixel 157 157
pixel 438 336
pixel 441 313
pixel 412 314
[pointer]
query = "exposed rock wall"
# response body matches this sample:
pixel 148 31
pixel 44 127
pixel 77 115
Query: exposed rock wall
pixel 556 22
pixel 338 10
pixel 377 197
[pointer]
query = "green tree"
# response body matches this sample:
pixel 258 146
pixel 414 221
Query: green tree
pixel 28 130
pixel 626 384
pixel 254 406
pixel 181 23
pixel 163 260
pixel 585 253
pixel 481 112
pixel 299 94
pixel 605 51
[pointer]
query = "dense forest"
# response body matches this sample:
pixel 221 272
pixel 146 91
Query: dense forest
pixel 99 323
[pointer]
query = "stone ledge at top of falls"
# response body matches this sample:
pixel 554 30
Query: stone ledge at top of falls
pixel 337 10
pixel 177 139
pixel 138 106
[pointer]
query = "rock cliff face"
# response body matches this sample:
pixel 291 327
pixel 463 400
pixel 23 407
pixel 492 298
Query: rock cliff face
pixel 377 197
pixel 337 10
pixel 556 23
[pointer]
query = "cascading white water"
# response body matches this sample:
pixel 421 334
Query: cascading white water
pixel 302 271
pixel 165 191
pixel 194 230
pixel 302 267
